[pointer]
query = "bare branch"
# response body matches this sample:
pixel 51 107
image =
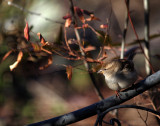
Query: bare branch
pixel 124 30
pixel 83 53
pixel 146 35
pixel 91 110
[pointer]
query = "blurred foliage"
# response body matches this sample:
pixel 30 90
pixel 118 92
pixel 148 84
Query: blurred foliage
pixel 80 80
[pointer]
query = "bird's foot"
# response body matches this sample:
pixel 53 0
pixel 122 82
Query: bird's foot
pixel 118 94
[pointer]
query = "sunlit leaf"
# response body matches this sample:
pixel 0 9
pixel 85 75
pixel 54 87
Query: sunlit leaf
pixel 6 55
pixel 107 47
pixel 15 64
pixel 67 16
pixel 42 40
pixel 68 22
pixel 90 60
pixel 92 17
pixel 68 19
pixel 103 26
pixel 69 72
pixel 89 48
pixel 26 32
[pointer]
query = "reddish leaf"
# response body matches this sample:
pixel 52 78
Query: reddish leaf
pixel 19 58
pixel 26 32
pixel 42 40
pixel 107 47
pixel 89 48
pixel 92 17
pixel 67 16
pixel 68 22
pixel 69 72
pixel 6 55
pixel 103 26
pixel 68 19
pixel 90 60
pixel 80 14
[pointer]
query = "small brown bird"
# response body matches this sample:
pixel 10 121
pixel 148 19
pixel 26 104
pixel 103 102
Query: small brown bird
pixel 119 74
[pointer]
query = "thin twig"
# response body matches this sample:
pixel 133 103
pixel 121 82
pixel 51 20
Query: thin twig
pixel 65 37
pixel 138 40
pixel 145 121
pixel 91 110
pixel 101 115
pixel 146 35
pixel 124 31
pixel 83 53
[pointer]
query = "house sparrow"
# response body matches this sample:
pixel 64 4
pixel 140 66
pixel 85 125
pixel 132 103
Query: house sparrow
pixel 119 74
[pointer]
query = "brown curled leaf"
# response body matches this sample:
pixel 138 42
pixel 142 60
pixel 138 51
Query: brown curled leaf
pixel 6 55
pixel 103 26
pixel 89 48
pixel 42 40
pixel 69 72
pixel 92 17
pixel 15 64
pixel 26 32
pixel 68 19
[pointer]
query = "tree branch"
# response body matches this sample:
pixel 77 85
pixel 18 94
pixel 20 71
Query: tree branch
pixel 101 115
pixel 91 110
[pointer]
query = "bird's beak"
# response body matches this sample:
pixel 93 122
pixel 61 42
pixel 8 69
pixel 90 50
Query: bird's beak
pixel 100 72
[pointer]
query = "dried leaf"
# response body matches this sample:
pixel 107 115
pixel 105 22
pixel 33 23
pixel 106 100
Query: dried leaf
pixel 107 47
pixel 26 32
pixel 68 19
pixel 103 26
pixel 92 17
pixel 67 16
pixel 68 22
pixel 80 14
pixel 50 60
pixel 19 58
pixel 69 72
pixel 6 55
pixel 90 60
pixel 42 40
pixel 89 48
